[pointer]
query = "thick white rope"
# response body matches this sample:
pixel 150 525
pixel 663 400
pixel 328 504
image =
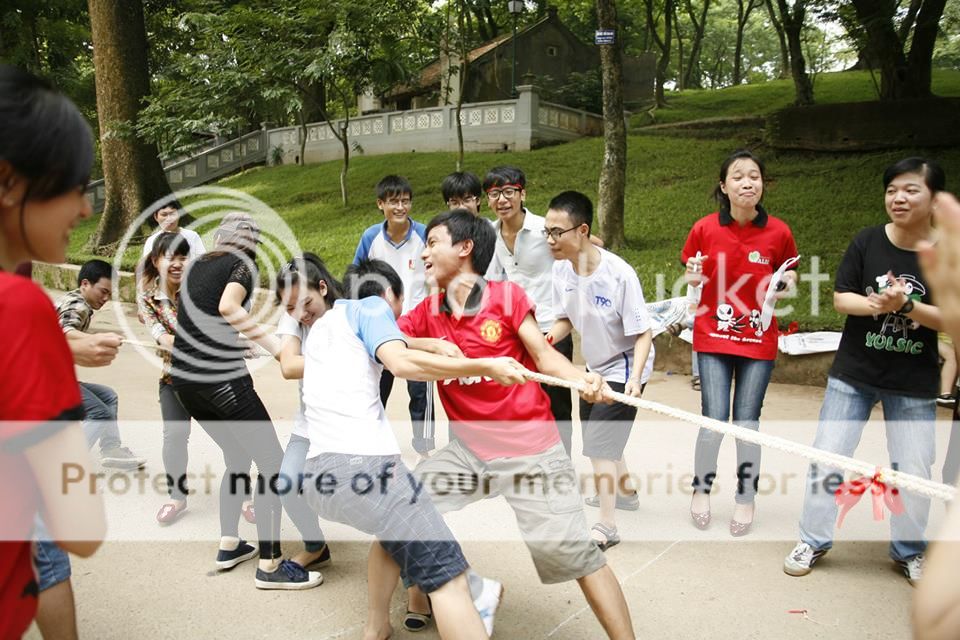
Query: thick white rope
pixel 259 353
pixel 906 481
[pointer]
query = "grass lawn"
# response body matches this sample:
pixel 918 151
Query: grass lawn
pixel 762 99
pixel 825 198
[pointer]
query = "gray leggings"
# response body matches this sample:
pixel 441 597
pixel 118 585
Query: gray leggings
pixel 176 435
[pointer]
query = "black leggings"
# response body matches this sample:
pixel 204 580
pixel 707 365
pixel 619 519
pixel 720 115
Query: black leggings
pixel 234 416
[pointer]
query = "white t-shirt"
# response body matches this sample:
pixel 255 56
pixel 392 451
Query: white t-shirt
pixel 405 258
pixel 529 266
pixel 288 326
pixel 608 310
pixel 193 239
pixel 341 379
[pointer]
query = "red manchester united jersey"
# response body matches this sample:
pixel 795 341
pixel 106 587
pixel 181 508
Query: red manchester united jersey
pixel 492 420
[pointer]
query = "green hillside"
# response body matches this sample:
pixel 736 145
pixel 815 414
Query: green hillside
pixel 762 99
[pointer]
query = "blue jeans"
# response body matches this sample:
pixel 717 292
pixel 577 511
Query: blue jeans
pixel 100 419
pixel 52 563
pixel 291 486
pixel 910 427
pixel 717 373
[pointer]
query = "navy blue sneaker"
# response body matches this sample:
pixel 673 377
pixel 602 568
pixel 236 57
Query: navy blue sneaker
pixel 320 562
pixel 229 559
pixel 289 575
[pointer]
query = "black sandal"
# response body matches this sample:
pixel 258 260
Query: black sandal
pixel 414 622
pixel 611 537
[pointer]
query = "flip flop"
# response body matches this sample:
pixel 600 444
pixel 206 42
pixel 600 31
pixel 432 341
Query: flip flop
pixel 249 514
pixel 611 537
pixel 170 513
pixel 415 622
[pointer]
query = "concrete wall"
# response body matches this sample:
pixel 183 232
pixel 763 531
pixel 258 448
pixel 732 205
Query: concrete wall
pixel 204 167
pixel 516 125
pixel 859 126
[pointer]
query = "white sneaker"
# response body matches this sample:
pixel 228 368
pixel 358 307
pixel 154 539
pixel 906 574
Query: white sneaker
pixel 800 561
pixel 912 568
pixel 488 601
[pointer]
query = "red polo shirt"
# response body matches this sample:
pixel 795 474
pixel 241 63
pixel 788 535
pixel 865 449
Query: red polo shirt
pixel 38 394
pixel 492 420
pixel 740 263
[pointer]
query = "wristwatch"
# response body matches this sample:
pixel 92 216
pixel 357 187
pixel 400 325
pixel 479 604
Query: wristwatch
pixel 907 307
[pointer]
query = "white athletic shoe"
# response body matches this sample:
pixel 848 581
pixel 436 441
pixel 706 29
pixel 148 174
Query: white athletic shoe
pixel 800 561
pixel 488 601
pixel 912 569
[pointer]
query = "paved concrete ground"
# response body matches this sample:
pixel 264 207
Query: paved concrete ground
pixel 153 582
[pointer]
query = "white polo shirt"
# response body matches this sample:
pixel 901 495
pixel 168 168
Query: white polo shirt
pixel 529 265
pixel 405 257
pixel 341 379
pixel 193 239
pixel 608 310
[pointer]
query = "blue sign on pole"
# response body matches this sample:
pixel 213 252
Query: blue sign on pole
pixel 605 36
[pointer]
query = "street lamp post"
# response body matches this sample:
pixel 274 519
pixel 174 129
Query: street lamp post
pixel 515 7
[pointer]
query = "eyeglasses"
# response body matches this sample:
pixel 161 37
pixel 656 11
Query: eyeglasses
pixel 399 202
pixel 555 232
pixel 459 202
pixel 509 191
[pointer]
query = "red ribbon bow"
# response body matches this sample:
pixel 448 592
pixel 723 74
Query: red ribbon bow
pixel 792 328
pixel 849 493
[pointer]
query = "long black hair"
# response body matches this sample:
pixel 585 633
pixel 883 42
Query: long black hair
pixel 310 270
pixel 167 244
pixel 43 135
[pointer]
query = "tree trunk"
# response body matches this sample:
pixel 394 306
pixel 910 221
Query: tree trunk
pixel 743 15
pixel 133 176
pixel 676 27
pixel 781 36
pixel 876 16
pixel 303 137
pixel 315 104
pixel 664 44
pixel 919 60
pixel 344 140
pixel 909 19
pixel 613 172
pixel 792 26
pixel 481 24
pixel 491 23
pixel 692 76
pixel 461 16
pixel 901 76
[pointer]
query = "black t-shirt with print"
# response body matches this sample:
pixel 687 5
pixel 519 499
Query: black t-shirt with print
pixel 891 351
pixel 206 348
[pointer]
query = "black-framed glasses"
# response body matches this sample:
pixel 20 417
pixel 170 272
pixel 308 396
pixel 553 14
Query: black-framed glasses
pixel 459 202
pixel 555 233
pixel 508 190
